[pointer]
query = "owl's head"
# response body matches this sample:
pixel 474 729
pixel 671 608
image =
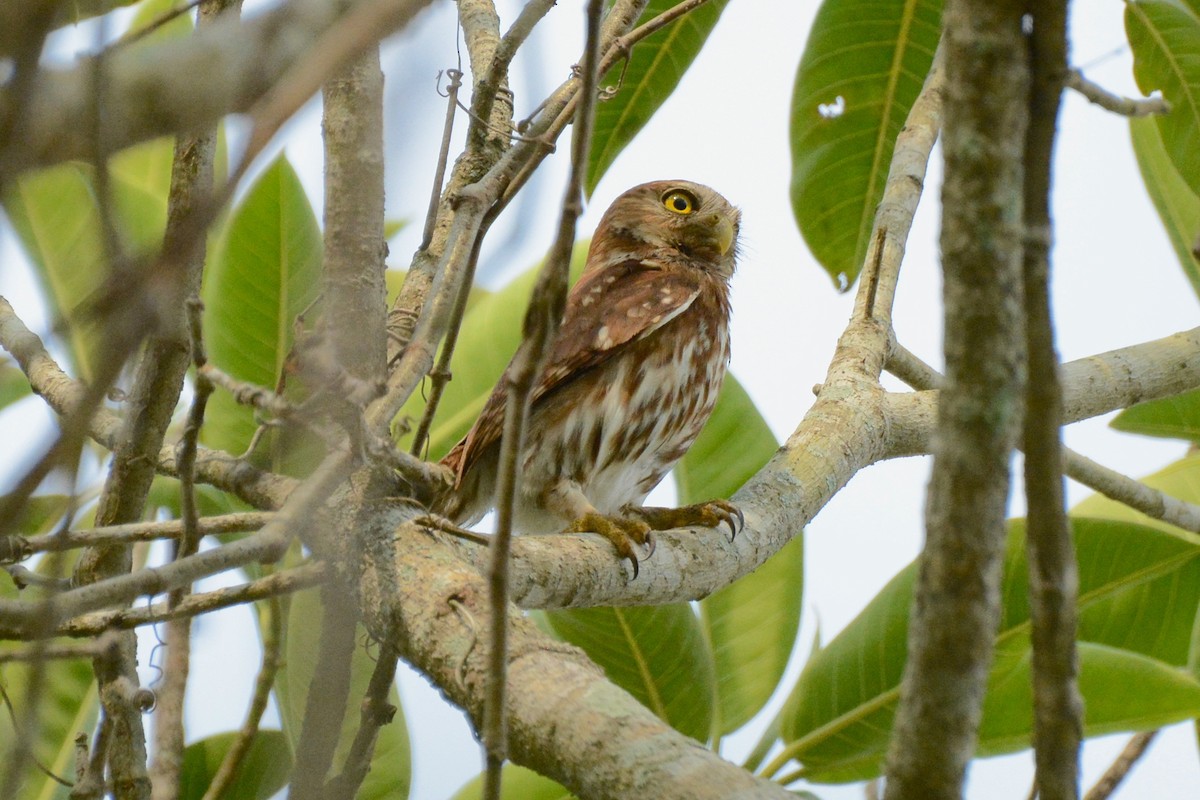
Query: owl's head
pixel 672 218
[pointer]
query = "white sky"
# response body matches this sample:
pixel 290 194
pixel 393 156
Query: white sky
pixel 1116 283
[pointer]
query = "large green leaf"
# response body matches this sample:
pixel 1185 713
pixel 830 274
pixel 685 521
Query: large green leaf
pixel 264 769
pixel 1177 204
pixel 1175 417
pixel 517 783
pixel 1164 695
pixel 654 69
pixel 391 767
pixel 264 272
pixel 56 215
pixel 1139 589
pixel 861 71
pixel 657 654
pixel 1165 38
pixel 752 624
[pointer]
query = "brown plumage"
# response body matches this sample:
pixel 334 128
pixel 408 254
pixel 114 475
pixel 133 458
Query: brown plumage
pixel 631 378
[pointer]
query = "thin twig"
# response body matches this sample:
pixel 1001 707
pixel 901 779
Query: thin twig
pixel 91 784
pixel 1125 106
pixel 376 712
pixel 279 583
pixel 12 713
pixel 542 320
pixel 901 194
pixel 1120 768
pixel 439 174
pixel 298 514
pixel 90 649
pixel 1154 503
pixel 133 532
pixel 65 395
pixel 272 646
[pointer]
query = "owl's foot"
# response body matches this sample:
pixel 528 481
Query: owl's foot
pixel 708 515
pixel 623 532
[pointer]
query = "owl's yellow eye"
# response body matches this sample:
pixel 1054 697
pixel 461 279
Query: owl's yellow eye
pixel 679 201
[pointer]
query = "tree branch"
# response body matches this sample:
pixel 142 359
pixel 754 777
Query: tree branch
pixel 1125 106
pixel 63 394
pixel 565 719
pixel 1053 573
pixel 326 695
pixel 279 583
pixel 152 91
pixel 956 607
pixel 542 320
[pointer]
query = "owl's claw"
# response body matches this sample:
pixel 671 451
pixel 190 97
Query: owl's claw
pixel 709 515
pixel 730 514
pixel 623 532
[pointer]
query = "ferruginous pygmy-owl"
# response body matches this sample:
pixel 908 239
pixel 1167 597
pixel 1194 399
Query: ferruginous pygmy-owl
pixel 631 378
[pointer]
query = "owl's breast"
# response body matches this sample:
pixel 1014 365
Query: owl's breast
pixel 620 429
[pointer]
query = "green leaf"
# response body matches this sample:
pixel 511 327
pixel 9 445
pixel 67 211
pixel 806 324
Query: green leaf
pixel 14 385
pixel 150 13
pixel 1175 417
pixel 861 71
pixel 264 272
pixel 391 766
pixel 751 627
pixel 1139 589
pixel 1164 36
pixel 656 653
pixel 654 69
pixel 752 624
pixel 56 215
pixel 516 783
pixel 1177 204
pixel 1163 695
pixel 264 769
pixel 393 226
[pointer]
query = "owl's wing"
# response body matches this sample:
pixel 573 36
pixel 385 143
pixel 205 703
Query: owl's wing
pixel 606 311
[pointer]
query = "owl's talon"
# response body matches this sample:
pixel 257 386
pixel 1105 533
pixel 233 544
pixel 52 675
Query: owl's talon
pixel 622 532
pixel 651 542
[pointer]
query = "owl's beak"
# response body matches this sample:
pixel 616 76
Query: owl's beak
pixel 722 232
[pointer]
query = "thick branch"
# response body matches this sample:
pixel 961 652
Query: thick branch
pixel 565 719
pixel 354 294
pixel 1053 574
pixel 956 607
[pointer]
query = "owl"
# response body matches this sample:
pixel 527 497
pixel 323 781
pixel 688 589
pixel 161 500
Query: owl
pixel 631 377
